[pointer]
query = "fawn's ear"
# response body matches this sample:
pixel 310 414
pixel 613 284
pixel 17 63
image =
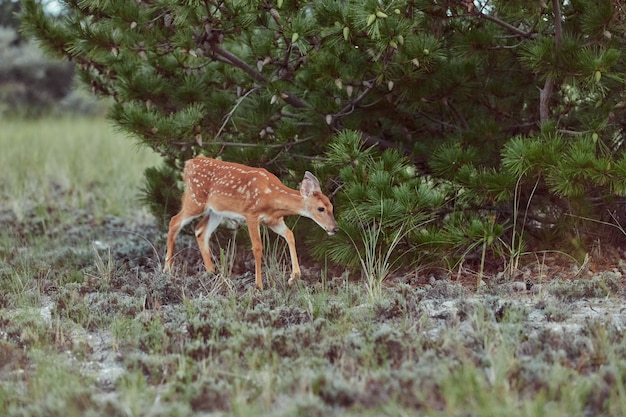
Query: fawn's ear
pixel 309 184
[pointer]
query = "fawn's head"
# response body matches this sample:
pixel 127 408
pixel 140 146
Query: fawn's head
pixel 317 206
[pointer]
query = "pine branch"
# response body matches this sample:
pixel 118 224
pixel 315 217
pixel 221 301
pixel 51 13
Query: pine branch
pixel 235 61
pixel 251 145
pixel 232 111
pixel 232 59
pixel 507 26
pixel 458 114
pixel 349 108
pixel 380 143
pixel 471 9
pixel 558 27
pixel 439 122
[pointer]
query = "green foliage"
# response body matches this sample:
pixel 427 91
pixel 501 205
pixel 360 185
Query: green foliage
pixel 163 191
pixel 464 112
pixel 380 194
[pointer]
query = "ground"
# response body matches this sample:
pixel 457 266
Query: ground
pixel 90 326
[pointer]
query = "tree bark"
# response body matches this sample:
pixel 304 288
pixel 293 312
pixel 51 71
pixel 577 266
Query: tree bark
pixel 548 87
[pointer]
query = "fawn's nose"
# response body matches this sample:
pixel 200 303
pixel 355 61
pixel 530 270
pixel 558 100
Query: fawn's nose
pixel 333 230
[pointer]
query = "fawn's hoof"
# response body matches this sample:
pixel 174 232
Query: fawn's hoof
pixel 294 277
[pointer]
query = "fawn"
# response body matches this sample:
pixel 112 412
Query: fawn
pixel 220 190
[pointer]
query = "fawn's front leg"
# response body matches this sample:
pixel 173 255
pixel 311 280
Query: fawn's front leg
pixel 282 229
pixel 257 250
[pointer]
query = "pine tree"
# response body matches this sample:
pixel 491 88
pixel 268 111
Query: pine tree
pixel 463 121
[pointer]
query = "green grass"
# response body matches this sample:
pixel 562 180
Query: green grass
pixel 95 329
pixel 80 162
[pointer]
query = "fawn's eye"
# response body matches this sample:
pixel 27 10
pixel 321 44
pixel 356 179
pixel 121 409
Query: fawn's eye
pixel 320 209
